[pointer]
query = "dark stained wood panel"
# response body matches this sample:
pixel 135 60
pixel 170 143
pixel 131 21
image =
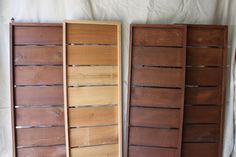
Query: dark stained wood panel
pixel 37 35
pixel 40 136
pixel 158 36
pixel 37 55
pixel 50 151
pixel 39 95
pixel 158 56
pixel 156 97
pixel 200 150
pixel 154 137
pixel 137 151
pixel 160 77
pixel 38 75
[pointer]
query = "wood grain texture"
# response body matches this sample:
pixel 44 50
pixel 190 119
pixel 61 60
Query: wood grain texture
pixel 158 56
pixel 201 133
pixel 37 35
pixel 30 96
pixel 154 137
pixel 83 96
pixel 200 149
pixel 38 55
pixel 40 136
pixel 51 151
pixel 93 116
pixel 158 36
pixel 39 75
pixel 150 117
pixel 39 116
pixel 202 114
pixel 138 151
pixel 161 77
pixel 96 151
pixel 156 97
pixel 91 34
pixel 92 75
pixel 212 56
pixel 93 136
pixel 92 55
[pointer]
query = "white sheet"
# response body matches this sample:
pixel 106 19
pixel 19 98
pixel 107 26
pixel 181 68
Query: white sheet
pixel 127 11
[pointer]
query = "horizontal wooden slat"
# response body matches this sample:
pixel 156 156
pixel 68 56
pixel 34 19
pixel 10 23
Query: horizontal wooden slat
pixel 204 56
pixel 39 75
pixel 202 114
pixel 91 34
pixel 158 36
pixel 92 55
pixel 93 116
pixel 158 56
pixel 200 150
pixel 205 36
pixel 92 75
pixel 93 136
pixel 201 133
pixel 37 55
pixel 38 96
pixel 167 118
pixel 156 97
pixel 37 35
pixel 39 116
pixel 202 95
pixel 137 151
pixel 164 77
pixel 103 95
pixel 40 136
pixel 50 151
pixel 203 76
pixel 96 151
pixel 154 137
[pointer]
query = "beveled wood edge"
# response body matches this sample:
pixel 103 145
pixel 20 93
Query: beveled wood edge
pixel 92 22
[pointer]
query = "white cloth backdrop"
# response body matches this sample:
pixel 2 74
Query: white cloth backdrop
pixel 127 11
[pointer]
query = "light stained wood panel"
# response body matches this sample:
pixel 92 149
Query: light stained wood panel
pixel 92 84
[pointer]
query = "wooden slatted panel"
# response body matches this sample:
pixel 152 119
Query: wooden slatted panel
pixel 37 91
pixel 92 86
pixel 156 90
pixel 204 99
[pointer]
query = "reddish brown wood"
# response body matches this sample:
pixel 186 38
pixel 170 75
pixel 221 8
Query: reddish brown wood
pixel 200 149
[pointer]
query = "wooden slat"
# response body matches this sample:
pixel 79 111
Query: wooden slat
pixel 164 77
pixel 93 136
pixel 92 75
pixel 92 55
pixel 202 95
pixel 93 116
pixel 91 34
pixel 138 151
pixel 212 56
pixel 40 136
pixel 156 97
pixel 51 151
pixel 202 114
pixel 82 96
pixel 37 35
pixel 205 36
pixel 154 137
pixel 150 117
pixel 39 75
pixel 38 96
pixel 39 116
pixel 96 151
pixel 200 150
pixel 203 76
pixel 158 56
pixel 37 55
pixel 201 133
pixel 158 36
